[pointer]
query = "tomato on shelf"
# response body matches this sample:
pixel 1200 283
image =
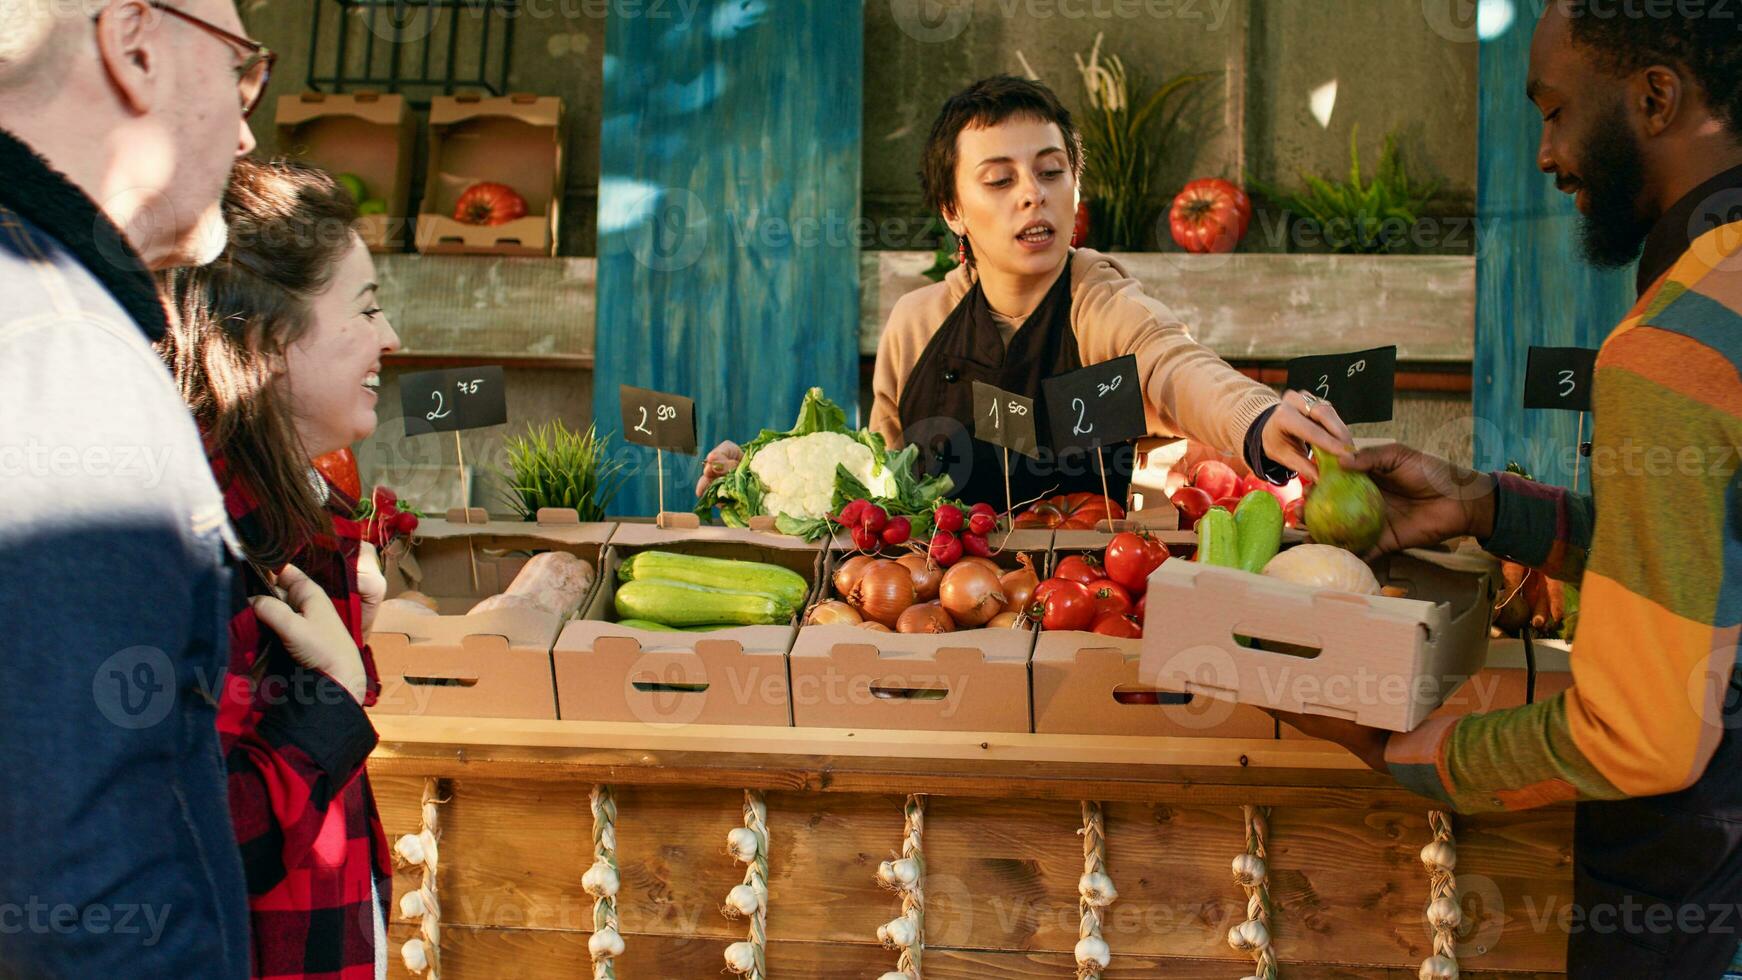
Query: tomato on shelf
pixel 1131 557
pixel 1071 512
pixel 1210 216
pixel 489 204
pixel 1066 606
pixel 1111 598
pixel 1080 568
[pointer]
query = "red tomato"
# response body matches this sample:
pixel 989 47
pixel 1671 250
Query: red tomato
pixel 1111 598
pixel 1294 512
pixel 1192 504
pixel 1041 590
pixel 1230 504
pixel 1069 606
pixel 340 469
pixel 489 204
pixel 1138 612
pixel 1075 511
pixel 1119 625
pixel 1216 479
pixel 1131 557
pixel 1210 216
pixel 1080 568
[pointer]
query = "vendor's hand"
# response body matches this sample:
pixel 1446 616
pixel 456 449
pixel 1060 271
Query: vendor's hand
pixel 724 459
pixel 1427 499
pixel 311 630
pixel 371 583
pixel 1300 423
pixel 1367 744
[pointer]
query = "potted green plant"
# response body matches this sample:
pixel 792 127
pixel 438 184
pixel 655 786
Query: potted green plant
pixel 554 466
pixel 1354 216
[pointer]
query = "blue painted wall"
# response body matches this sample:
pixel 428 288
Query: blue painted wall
pixel 728 203
pixel 1533 288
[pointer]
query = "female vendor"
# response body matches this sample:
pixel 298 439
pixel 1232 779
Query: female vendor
pixel 1002 165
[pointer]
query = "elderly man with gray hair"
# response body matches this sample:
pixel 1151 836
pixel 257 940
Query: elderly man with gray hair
pixel 119 123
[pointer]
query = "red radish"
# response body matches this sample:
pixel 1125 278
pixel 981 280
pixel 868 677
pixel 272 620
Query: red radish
pixel 945 549
pixel 983 508
pixel 949 518
pixel 976 545
pixel 874 519
pixel 864 540
pixel 851 513
pixel 1217 479
pixel 981 524
pixel 897 531
pixel 1192 504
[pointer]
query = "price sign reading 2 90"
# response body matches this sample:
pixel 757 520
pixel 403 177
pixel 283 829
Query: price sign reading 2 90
pixel 448 401
pixel 657 419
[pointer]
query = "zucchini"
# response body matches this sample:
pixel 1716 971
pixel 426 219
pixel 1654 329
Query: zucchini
pixel 645 624
pixel 782 584
pixel 680 605
pixel 1258 519
pixel 1218 539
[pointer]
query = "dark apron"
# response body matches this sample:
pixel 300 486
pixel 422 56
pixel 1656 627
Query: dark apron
pixel 937 403
pixel 1658 879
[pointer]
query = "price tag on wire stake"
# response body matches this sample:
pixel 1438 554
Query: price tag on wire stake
pixel 453 399
pixel 1006 419
pixel 1100 405
pixel 658 420
pixel 1559 377
pixel 1360 385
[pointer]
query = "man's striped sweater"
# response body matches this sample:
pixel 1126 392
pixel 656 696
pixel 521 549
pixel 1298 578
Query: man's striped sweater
pixel 1658 558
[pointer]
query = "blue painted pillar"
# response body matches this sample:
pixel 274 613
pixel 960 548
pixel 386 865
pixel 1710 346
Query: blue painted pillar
pixel 728 213
pixel 1533 287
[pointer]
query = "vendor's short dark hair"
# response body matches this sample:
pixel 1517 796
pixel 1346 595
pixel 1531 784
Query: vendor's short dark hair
pixel 989 102
pixel 1626 39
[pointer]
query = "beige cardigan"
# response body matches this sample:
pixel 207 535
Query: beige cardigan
pixel 1187 390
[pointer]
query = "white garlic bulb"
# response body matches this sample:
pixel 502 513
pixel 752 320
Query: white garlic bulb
pixel 605 943
pixel 1443 913
pixel 411 905
pixel 892 975
pixel 1439 855
pixel 740 957
pixel 900 873
pixel 601 880
pixel 1438 968
pixel 1249 870
pixel 410 849
pixel 415 956
pixel 741 900
pixel 741 844
pixel 1092 951
pixel 1097 889
pixel 1248 936
pixel 900 933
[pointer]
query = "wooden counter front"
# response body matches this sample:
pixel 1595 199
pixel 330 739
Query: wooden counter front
pixel 1001 842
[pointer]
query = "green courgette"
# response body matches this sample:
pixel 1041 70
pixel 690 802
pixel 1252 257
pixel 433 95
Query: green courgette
pixel 782 584
pixel 1218 539
pixel 1258 519
pixel 647 624
pixel 679 604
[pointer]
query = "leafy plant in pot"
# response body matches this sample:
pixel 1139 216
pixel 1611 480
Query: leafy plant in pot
pixel 1356 216
pixel 552 465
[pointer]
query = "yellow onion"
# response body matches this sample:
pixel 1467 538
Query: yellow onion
pixel 925 617
pixel 926 576
pixel 970 594
pixel 874 626
pixel 847 574
pixel 1018 587
pixel 884 592
pixel 991 565
pixel 833 613
pixel 1005 621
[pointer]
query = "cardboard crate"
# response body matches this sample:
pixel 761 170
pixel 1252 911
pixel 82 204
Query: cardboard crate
pixel 494 664
pixel 1503 682
pixel 608 672
pixel 1089 684
pixel 971 680
pixel 1383 662
pixel 515 140
pixel 367 134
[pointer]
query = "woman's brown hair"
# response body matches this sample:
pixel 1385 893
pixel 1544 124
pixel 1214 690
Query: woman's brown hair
pixel 233 320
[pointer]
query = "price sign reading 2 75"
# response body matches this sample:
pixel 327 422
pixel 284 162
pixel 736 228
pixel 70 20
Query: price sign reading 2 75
pixel 658 420
pixel 451 400
pixel 1004 418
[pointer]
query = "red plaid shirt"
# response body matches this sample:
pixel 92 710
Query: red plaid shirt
pixel 295 744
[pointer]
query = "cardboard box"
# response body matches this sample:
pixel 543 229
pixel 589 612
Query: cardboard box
pixel 515 140
pixel 494 664
pixel 1504 682
pixel 971 680
pixel 1383 662
pixel 1089 684
pixel 738 676
pixel 367 134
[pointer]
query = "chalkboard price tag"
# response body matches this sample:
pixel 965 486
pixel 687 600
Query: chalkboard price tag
pixel 1100 405
pixel 658 420
pixel 1559 377
pixel 451 400
pixel 1004 418
pixel 1361 385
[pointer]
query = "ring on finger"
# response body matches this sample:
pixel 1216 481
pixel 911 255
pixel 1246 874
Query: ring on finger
pixel 1312 402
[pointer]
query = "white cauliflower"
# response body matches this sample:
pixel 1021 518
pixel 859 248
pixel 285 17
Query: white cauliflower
pixel 799 473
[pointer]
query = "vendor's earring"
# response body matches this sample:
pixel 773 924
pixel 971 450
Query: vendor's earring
pixel 961 249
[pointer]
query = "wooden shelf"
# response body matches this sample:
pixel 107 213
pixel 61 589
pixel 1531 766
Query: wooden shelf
pixel 562 362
